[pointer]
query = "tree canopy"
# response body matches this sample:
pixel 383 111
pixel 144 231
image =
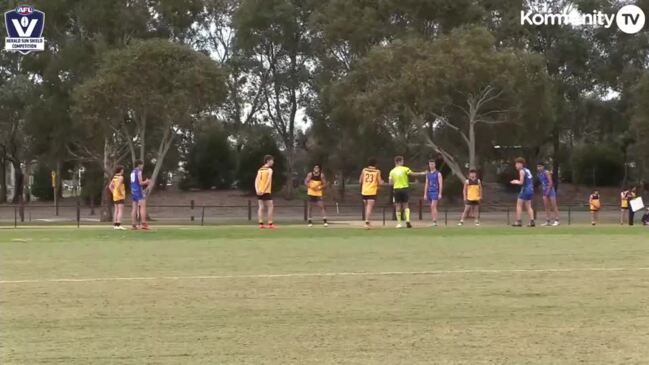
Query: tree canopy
pixel 333 81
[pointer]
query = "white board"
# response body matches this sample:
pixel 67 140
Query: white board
pixel 637 204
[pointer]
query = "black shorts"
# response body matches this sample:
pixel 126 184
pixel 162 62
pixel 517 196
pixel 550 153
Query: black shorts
pixel 265 197
pixel 401 195
pixel 315 199
pixel 472 202
pixel 116 202
pixel 369 197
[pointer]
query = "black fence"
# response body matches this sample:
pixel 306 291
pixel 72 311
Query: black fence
pixel 195 213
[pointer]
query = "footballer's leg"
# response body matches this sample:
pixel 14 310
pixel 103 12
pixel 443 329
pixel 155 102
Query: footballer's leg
pixel 134 214
pixel 324 212
pixel 530 212
pixel 434 212
pixel 555 209
pixel 260 212
pixel 309 211
pixel 465 212
pixel 142 205
pixel 519 212
pixel 270 208
pixel 546 205
pixel 399 209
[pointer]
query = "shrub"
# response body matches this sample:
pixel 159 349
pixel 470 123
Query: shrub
pixel 252 157
pixel 597 165
pixel 42 186
pixel 210 162
pixel 92 183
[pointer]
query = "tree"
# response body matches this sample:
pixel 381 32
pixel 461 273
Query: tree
pixel 640 127
pixel 246 76
pixel 211 160
pixel 449 91
pixel 151 87
pixel 252 157
pixel 15 95
pixel 276 33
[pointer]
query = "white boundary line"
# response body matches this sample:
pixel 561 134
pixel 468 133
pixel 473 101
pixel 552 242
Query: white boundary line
pixel 325 274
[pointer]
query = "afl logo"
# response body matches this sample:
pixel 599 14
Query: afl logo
pixel 25 27
pixel 24 10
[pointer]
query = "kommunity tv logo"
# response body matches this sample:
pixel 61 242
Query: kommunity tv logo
pixel 629 19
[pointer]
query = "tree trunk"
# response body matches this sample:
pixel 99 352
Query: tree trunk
pixel 106 205
pixel 472 158
pixel 59 179
pixel 342 186
pixel 142 132
pixel 106 212
pixel 556 146
pixel 165 144
pixel 18 182
pixel 3 180
pixel 290 168
pixel 455 167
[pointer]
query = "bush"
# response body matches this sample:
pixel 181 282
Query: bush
pixel 597 165
pixel 506 174
pixel 453 188
pixel 210 162
pixel 92 183
pixel 252 157
pixel 42 186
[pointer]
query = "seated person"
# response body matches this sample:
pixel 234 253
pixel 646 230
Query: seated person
pixel 645 218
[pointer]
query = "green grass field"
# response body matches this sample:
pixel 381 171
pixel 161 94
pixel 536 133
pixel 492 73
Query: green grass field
pixel 237 295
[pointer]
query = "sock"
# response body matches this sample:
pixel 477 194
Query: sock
pixel 407 213
pixel 324 219
pixel 118 224
pixel 399 217
pixel 310 221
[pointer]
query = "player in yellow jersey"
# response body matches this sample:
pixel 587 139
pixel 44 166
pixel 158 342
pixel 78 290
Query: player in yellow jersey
pixel 472 196
pixel 624 205
pixel 316 182
pixel 370 180
pixel 118 190
pixel 595 205
pixel 399 179
pixel 263 188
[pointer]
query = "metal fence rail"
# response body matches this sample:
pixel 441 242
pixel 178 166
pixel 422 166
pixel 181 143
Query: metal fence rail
pixel 206 214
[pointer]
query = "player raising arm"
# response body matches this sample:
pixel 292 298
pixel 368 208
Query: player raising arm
pixel 370 180
pixel 399 179
pixel 263 188
pixel 526 194
pixel 138 195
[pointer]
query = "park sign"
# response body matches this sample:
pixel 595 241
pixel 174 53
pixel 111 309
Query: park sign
pixel 25 27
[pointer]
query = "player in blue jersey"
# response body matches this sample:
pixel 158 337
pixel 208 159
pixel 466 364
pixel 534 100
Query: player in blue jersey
pixel 549 195
pixel 526 181
pixel 138 196
pixel 433 189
